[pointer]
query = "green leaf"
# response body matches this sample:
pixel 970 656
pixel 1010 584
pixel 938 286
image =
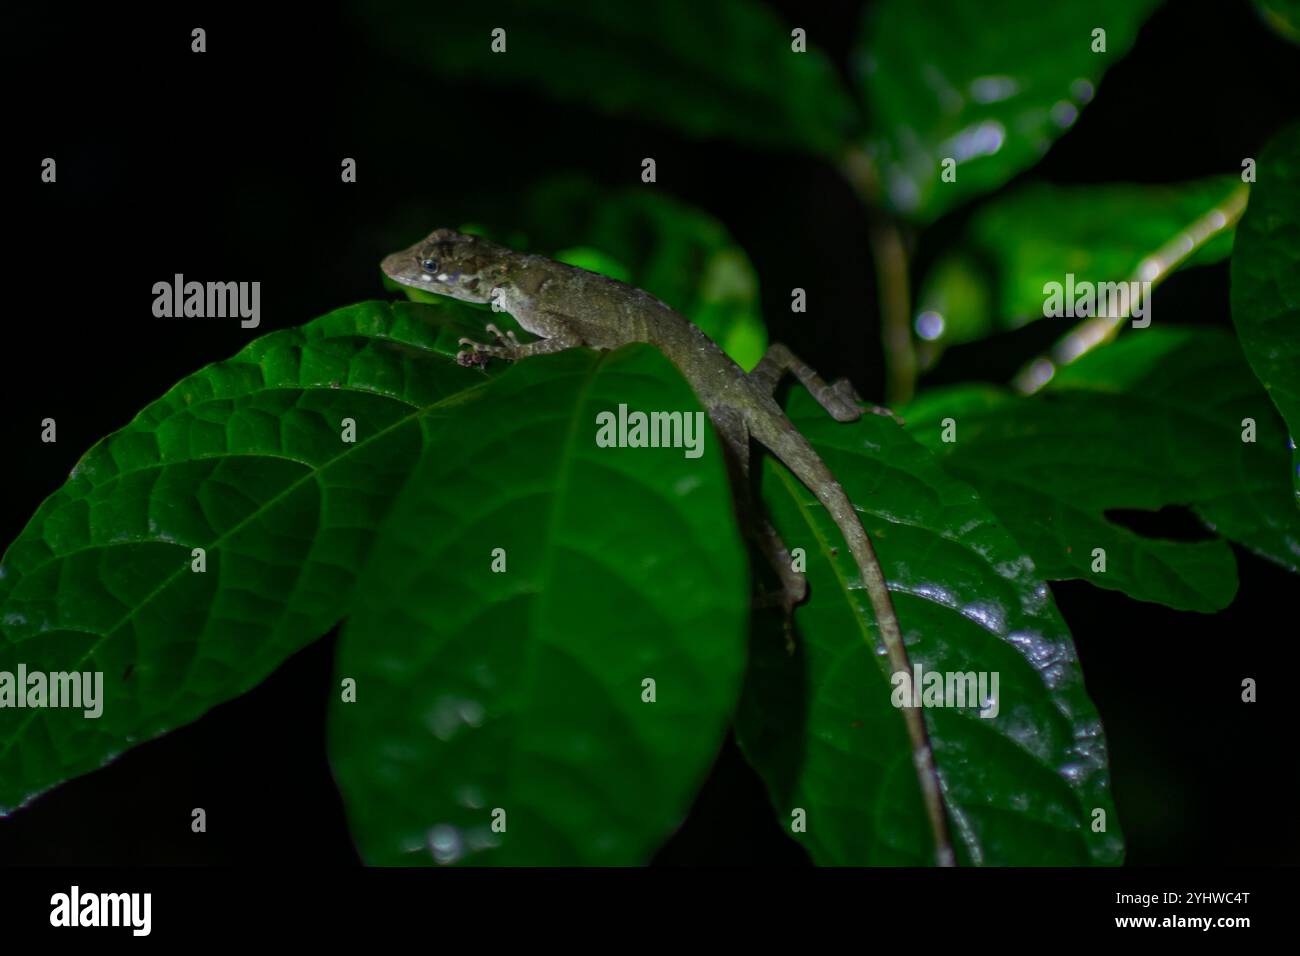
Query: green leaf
pixel 1266 281
pixel 990 85
pixel 523 690
pixel 1014 245
pixel 593 260
pixel 1152 420
pixel 718 69
pixel 245 460
pixel 1021 786
pixel 1282 17
pixel 672 250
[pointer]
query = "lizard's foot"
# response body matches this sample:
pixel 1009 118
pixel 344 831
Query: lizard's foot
pixel 845 392
pixel 841 399
pixel 793 591
pixel 505 340
pixel 507 348
pixel 470 358
pixel 882 410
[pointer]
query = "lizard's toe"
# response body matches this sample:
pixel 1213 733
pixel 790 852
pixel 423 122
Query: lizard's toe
pixel 503 338
pixel 506 341
pixel 882 410
pixel 468 358
pixel 480 353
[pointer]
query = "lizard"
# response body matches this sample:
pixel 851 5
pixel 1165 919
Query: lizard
pixel 569 307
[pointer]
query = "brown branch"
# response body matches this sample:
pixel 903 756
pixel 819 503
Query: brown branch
pixel 893 283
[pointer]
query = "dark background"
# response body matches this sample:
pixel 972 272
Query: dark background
pixel 227 165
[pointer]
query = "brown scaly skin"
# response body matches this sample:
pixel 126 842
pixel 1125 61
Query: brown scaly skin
pixel 568 307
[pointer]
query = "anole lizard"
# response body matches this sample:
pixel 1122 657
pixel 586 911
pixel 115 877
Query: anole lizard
pixel 569 307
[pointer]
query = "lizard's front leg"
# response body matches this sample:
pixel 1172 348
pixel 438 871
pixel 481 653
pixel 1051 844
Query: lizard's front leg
pixel 840 399
pixel 508 347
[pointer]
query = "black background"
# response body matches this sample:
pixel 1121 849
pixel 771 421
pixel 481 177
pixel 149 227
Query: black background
pixel 227 165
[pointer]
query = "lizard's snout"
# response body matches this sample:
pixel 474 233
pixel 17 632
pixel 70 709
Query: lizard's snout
pixel 399 265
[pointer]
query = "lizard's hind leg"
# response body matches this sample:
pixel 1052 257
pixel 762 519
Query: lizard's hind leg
pixel 755 526
pixel 839 398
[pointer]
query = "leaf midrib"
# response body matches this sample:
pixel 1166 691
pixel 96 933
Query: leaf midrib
pixel 311 474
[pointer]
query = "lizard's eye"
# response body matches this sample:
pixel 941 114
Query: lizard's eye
pixel 429 265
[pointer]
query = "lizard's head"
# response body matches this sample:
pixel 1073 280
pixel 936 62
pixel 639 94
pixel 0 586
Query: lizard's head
pixel 451 263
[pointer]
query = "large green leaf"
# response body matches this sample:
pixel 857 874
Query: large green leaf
pixel 723 68
pixel 1016 244
pixel 1266 281
pixel 1153 420
pixel 1021 787
pixel 523 690
pixel 990 85
pixel 244 459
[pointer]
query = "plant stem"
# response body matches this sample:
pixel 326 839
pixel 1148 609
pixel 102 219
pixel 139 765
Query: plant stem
pixel 889 253
pixel 1155 268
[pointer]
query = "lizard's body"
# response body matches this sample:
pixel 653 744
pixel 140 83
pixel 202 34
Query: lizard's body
pixel 569 307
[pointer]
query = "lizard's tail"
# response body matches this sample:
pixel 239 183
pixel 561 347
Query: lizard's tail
pixel 798 455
